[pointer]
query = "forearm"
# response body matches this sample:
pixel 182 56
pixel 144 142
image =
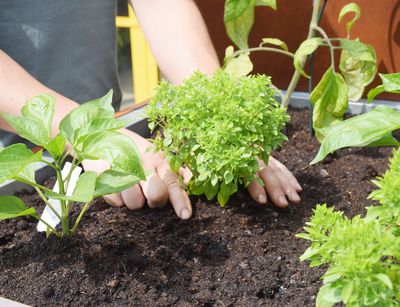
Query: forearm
pixel 17 86
pixel 177 37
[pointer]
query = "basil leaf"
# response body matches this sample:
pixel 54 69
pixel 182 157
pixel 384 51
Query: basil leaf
pixel 226 190
pixel 12 206
pixel 41 108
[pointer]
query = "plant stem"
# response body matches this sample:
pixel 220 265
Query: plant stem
pixel 49 226
pixel 237 52
pixel 78 219
pixel 47 202
pixel 327 40
pixel 296 75
pixel 61 190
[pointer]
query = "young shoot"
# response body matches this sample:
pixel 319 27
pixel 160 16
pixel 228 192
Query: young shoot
pixel 88 132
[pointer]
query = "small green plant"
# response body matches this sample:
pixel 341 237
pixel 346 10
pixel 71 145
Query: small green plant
pixel 363 254
pixel 363 259
pixel 88 132
pixel 218 127
pixel 329 99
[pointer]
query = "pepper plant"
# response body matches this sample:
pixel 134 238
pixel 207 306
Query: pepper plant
pixel 218 127
pixel 87 132
pixel 329 99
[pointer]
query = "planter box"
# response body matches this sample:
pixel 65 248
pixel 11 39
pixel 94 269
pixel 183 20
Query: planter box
pixel 139 125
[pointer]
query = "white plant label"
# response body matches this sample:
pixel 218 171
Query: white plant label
pixel 48 216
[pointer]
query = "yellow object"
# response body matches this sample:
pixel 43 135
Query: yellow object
pixel 144 66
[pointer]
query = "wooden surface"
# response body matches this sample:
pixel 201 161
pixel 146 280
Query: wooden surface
pixel 379 26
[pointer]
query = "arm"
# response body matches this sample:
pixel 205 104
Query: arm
pixel 177 36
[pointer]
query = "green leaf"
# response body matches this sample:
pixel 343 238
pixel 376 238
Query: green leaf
pixel 41 108
pixel 28 128
pixel 175 164
pixel 12 206
pixel 350 8
pixel 82 116
pixel 390 83
pixel 386 140
pixel 239 19
pixel 357 73
pixel 112 181
pixel 347 291
pixel 226 190
pixel 116 148
pixel 35 122
pixel 211 190
pixel 84 189
pixel 270 3
pixel 385 279
pixel 14 158
pixel 56 146
pixel 359 131
pixel 375 91
pixel 329 100
pixel 358 50
pixel 276 42
pixel 328 295
pixel 240 65
pixel 306 48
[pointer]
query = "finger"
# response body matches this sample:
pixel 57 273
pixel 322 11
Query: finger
pixel 273 187
pixel 186 174
pixel 257 192
pixel 177 195
pixel 292 179
pixel 133 197
pixel 114 200
pixel 287 186
pixel 155 191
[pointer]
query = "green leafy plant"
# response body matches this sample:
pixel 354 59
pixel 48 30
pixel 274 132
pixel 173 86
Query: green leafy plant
pixel 363 254
pixel 329 99
pixel 87 132
pixel 218 127
pixel 369 129
pixel 388 213
pixel 363 259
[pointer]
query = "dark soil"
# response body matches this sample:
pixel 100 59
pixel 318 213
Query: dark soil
pixel 240 255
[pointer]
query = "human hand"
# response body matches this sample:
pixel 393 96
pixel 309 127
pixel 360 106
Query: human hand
pixel 279 184
pixel 162 184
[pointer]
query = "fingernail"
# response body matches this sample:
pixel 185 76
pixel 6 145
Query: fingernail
pixel 299 187
pixel 262 199
pixel 185 214
pixel 282 200
pixel 294 197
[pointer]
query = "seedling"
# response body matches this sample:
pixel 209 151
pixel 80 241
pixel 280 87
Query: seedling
pixel 218 127
pixel 87 132
pixel 330 97
pixel 363 254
